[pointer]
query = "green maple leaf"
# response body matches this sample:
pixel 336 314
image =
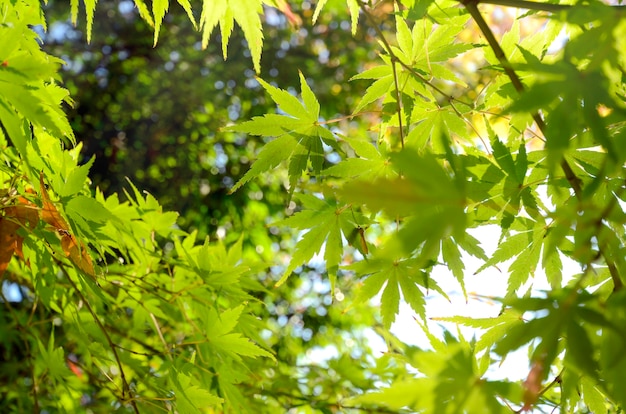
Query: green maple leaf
pixel 370 162
pixel 191 398
pixel 53 359
pixel 425 45
pixel 219 329
pixel 353 8
pixel 299 136
pixel 426 195
pixel 394 275
pixel 326 222
pixel 246 13
pixel 496 327
pixel 431 124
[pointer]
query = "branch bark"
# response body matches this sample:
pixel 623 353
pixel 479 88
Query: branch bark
pixel 573 180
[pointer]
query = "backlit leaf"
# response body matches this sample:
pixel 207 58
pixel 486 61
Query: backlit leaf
pixel 159 9
pixel 390 301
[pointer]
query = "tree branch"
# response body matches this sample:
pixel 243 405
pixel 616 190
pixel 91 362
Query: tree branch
pixel 573 180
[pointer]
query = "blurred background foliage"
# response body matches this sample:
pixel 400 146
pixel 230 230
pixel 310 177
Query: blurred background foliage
pixel 153 114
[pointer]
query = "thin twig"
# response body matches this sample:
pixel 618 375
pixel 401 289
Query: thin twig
pixel 556 380
pixel 126 335
pixel 472 8
pixel 394 60
pixel 346 117
pixel 36 405
pixel 312 402
pixel 471 125
pixel 126 386
pixel 163 341
pixel 398 100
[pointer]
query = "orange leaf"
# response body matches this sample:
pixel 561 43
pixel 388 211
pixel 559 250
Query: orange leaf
pixel 21 215
pixel 293 18
pixel 8 241
pixel 25 212
pixel 74 249
pixel 26 215
pixel 75 368
pixel 77 253
pixel 532 385
pixel 18 249
pixel 49 212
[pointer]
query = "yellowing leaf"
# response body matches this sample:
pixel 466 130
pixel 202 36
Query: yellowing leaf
pixel 353 6
pixel 144 12
pixel 159 8
pixel 90 8
pixel 187 7
pixel 318 9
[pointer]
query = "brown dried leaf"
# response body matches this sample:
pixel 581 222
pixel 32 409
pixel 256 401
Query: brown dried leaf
pixel 49 212
pixel 25 212
pixel 25 215
pixel 77 253
pixel 74 249
pixel 8 242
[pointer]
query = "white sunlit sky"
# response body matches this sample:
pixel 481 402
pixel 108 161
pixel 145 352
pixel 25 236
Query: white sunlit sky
pixel 490 283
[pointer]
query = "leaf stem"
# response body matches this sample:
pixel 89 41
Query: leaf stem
pixel 163 341
pixel 36 405
pixel 398 100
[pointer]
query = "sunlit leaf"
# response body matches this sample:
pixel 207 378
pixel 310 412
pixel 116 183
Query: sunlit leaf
pixel 159 9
